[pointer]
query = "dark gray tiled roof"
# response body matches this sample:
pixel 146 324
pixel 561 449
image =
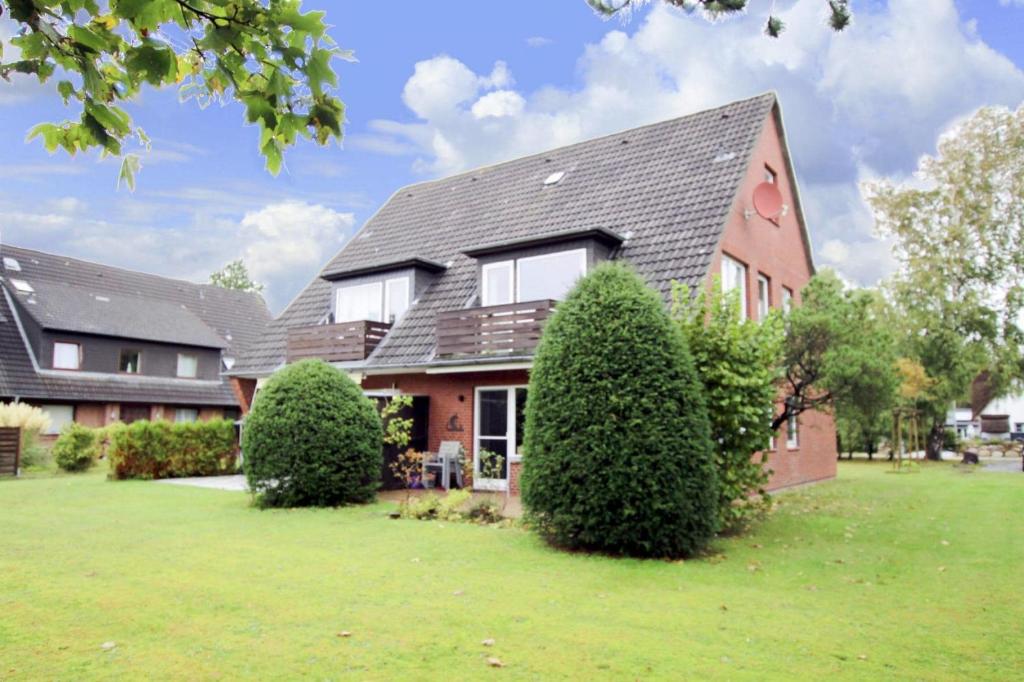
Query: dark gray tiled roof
pixel 668 186
pixel 68 308
pixel 232 320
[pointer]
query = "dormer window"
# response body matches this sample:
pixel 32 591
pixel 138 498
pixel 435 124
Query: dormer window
pixel 383 301
pixel 533 278
pixel 67 355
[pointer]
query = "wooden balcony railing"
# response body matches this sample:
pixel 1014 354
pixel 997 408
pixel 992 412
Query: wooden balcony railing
pixel 510 329
pixel 341 342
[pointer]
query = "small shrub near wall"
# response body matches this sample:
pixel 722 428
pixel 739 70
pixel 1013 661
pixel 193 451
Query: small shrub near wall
pixel 76 448
pixel 161 449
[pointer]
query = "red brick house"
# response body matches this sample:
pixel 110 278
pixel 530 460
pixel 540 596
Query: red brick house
pixel 443 292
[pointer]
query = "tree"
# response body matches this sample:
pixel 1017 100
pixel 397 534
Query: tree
pixel 959 280
pixel 235 276
pixel 312 439
pixel 267 55
pixel 839 11
pixel 617 448
pixel 737 362
pixel 838 354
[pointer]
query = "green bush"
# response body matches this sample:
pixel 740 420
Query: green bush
pixel 75 449
pixel 736 361
pixel 618 455
pixel 161 449
pixel 312 439
pixel 951 440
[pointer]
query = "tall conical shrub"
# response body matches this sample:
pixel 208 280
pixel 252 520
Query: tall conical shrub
pixel 618 457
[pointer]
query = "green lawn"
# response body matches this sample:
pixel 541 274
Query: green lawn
pixel 915 576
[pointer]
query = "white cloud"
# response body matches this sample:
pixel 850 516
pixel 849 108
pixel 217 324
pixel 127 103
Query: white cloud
pixel 498 104
pixel 538 41
pixel 283 243
pixel 862 103
pixel 292 236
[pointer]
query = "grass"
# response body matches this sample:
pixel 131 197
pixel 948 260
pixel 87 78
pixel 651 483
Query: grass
pixel 872 576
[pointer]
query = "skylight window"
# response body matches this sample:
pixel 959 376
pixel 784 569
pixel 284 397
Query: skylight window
pixel 554 178
pixel 103 299
pixel 12 264
pixel 724 156
pixel 22 285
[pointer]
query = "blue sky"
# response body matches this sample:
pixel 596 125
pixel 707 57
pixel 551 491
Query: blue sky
pixel 440 87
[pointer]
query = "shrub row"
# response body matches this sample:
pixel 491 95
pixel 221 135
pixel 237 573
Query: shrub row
pixel 162 449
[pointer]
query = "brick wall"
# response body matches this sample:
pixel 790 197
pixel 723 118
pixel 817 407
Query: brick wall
pixel 777 250
pixel 451 403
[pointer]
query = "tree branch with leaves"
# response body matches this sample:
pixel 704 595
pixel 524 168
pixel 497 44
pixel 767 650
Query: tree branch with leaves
pixel 268 55
pixel 839 15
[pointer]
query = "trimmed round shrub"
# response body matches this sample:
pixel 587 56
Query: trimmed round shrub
pixel 618 455
pixel 76 448
pixel 312 439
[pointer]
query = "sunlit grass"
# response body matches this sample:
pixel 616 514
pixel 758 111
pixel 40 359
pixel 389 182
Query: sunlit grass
pixel 874 575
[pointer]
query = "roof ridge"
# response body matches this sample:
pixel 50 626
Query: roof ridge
pixel 129 271
pixel 590 140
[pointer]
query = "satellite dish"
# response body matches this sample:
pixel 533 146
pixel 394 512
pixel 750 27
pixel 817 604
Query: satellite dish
pixel 768 200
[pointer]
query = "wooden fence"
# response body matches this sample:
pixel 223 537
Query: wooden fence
pixel 10 450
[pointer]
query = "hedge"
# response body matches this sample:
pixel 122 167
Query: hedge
pixel 312 439
pixel 161 449
pixel 617 452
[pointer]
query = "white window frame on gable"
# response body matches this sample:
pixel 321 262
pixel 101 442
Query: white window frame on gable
pixel 580 256
pixel 787 299
pixel 734 276
pixel 792 433
pixel 396 298
pixel 67 355
pixel 764 296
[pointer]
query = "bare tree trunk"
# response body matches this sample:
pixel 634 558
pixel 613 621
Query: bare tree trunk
pixel 933 445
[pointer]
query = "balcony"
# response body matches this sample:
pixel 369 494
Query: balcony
pixel 510 329
pixel 341 342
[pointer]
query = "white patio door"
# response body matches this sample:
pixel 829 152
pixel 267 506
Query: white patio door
pixel 498 434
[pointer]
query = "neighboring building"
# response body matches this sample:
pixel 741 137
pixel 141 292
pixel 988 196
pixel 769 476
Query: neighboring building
pixel 443 293
pixel 988 416
pixel 96 344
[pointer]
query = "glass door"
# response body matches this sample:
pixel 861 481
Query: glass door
pixel 490 461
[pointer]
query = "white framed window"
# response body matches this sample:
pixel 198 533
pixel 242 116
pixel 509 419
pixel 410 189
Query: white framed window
pixel 549 276
pixel 67 355
pixel 497 287
pixel 787 299
pixel 734 278
pixel 22 286
pixel 186 414
pixel 396 298
pixel 188 366
pixel 792 433
pixel 764 296
pixel 130 361
pixel 12 264
pixel 60 416
pixel 498 426
pixel 359 302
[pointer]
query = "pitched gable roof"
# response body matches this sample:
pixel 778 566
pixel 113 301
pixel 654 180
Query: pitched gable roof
pixel 667 187
pixel 68 294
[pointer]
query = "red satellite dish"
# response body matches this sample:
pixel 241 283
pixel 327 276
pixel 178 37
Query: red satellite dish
pixel 768 200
